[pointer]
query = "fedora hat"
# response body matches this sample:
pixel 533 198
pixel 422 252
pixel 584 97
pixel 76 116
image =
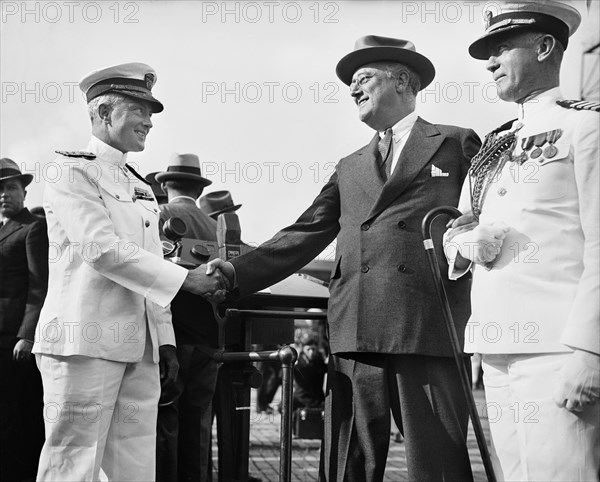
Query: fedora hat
pixel 183 167
pixel 555 18
pixel 10 170
pixel 373 48
pixel 218 202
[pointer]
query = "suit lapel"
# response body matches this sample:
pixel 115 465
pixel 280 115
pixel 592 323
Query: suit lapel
pixel 9 228
pixel 365 170
pixel 423 142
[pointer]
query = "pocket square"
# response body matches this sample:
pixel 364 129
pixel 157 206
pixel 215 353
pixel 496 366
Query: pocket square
pixel 437 172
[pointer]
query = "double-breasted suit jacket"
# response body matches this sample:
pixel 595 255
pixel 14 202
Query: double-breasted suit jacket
pixel 23 276
pixel 382 297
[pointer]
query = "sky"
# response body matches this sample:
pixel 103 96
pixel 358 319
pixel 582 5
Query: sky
pixel 250 87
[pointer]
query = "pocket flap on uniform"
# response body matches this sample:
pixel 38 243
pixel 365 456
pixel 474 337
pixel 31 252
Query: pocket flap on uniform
pixel 562 152
pixel 114 193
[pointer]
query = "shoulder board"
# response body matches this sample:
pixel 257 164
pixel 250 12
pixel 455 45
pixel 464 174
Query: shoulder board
pixel 504 127
pixel 579 105
pixel 84 154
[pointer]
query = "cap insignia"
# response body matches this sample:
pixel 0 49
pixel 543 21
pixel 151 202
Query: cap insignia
pixel 149 79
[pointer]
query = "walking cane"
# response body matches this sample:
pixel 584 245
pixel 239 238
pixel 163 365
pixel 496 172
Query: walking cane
pixel 456 348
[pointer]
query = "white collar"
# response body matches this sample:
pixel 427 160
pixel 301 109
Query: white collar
pixel 539 103
pixel 402 127
pixel 106 152
pixel 182 197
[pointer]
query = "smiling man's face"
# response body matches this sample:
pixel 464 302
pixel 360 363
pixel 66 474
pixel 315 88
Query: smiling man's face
pixel 513 63
pixel 375 94
pixel 129 125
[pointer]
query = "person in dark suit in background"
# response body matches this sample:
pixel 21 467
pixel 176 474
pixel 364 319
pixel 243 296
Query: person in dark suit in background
pixel 23 286
pixel 185 410
pixel 38 211
pixel 309 374
pixel 389 344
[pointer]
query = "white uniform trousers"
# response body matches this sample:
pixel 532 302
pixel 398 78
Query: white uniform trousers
pixel 534 439
pixel 99 414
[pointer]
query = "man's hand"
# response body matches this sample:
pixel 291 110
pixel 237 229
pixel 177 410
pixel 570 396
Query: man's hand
pixel 212 286
pixel 482 244
pixel 22 350
pixel 225 268
pixel 462 224
pixel 168 364
pixel 579 381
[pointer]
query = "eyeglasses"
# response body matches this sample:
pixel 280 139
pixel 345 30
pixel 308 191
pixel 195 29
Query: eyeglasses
pixel 361 80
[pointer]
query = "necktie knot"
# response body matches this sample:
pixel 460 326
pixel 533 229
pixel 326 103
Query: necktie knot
pixel 384 147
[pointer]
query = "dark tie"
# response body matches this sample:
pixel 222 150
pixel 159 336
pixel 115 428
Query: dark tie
pixel 385 151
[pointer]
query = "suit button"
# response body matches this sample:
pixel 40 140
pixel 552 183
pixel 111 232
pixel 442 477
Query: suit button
pixel 147 223
pixel 401 224
pixel 365 227
pixel 402 268
pixel 117 196
pixel 364 268
pixel 502 191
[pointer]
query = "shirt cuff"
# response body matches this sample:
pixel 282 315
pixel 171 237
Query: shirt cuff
pixel 167 284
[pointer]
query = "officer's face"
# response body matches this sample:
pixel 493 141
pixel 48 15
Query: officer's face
pixel 12 197
pixel 514 65
pixel 129 125
pixel 375 94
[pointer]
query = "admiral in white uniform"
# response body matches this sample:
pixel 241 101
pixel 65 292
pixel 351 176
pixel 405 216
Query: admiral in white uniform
pixel 107 310
pixel 533 233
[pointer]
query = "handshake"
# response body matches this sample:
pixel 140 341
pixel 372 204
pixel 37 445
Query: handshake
pixel 211 281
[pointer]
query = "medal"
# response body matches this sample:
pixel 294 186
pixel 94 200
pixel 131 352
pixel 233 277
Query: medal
pixel 551 150
pixel 538 141
pixel 526 143
pixel 537 152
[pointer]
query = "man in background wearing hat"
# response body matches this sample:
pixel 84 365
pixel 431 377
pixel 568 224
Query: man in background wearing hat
pixel 388 340
pixel 218 202
pixel 106 318
pixel 185 419
pixel 533 241
pixel 23 286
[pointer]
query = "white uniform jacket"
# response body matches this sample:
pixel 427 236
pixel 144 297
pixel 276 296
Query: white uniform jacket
pixel 543 292
pixel 108 280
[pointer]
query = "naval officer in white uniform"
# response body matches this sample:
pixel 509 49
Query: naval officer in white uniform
pixel 531 237
pixel 106 318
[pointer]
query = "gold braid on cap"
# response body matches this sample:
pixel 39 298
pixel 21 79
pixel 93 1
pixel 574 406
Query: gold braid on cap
pixel 488 162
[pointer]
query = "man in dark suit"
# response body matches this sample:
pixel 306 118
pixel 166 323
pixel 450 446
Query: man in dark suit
pixel 23 286
pixel 185 410
pixel 389 345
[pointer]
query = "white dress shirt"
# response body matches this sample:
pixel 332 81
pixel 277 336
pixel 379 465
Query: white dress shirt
pixel 401 131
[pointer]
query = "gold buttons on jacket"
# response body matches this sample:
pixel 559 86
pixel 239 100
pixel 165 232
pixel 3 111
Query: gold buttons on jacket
pixel 147 223
pixel 502 191
pixel 364 268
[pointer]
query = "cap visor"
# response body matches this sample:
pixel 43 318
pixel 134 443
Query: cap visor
pixel 156 104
